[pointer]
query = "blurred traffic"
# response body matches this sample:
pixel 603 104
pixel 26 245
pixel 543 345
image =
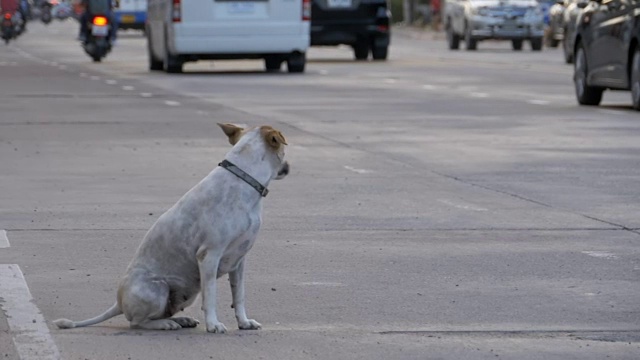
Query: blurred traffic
pixel 602 34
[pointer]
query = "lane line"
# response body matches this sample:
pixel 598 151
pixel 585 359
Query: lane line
pixel 357 171
pixel 146 95
pixel 128 87
pixel 111 82
pixel 27 325
pixel 538 102
pixel 172 103
pixel 4 240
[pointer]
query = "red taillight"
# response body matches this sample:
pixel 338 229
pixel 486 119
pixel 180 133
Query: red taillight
pixel 306 10
pixel 100 21
pixel 176 11
pixel 7 16
pixel 383 28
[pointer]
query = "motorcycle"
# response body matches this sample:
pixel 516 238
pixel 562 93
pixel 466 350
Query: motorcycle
pixel 12 26
pixel 98 42
pixel 45 9
pixel 7 28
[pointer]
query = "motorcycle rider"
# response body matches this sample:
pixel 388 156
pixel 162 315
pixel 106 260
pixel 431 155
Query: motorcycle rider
pixel 12 7
pixel 97 7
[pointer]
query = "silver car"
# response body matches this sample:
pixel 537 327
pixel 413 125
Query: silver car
pixel 476 20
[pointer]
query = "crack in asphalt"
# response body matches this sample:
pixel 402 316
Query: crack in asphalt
pixel 456 178
pixel 628 336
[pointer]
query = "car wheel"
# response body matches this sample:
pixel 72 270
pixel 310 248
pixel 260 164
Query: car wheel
pixel 635 79
pixel 586 95
pixel 536 44
pixel 568 53
pixel 379 52
pixel 361 51
pixel 472 44
pixel 453 39
pixel 172 64
pixel 153 63
pixel 272 63
pixel 296 62
pixel 516 44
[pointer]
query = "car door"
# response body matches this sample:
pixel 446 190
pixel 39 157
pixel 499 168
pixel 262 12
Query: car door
pixel 607 53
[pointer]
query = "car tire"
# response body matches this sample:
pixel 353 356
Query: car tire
pixel 361 51
pixel 536 44
pixel 154 64
pixel 635 79
pixel 172 64
pixel 471 43
pixel 296 62
pixel 379 52
pixel 272 63
pixel 568 53
pixel 453 39
pixel 516 44
pixel 585 94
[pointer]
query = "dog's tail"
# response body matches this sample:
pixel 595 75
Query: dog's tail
pixel 68 324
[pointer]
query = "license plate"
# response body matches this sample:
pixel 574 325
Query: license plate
pixel 127 19
pixel 99 30
pixel 240 7
pixel 339 3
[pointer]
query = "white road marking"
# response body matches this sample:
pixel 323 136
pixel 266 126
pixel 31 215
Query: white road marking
pixel 62 67
pixel 429 87
pixel 390 81
pixel 27 325
pixel 358 171
pixel 94 77
pixel 83 75
pixel 322 283
pixel 538 102
pixel 323 72
pixel 462 206
pixel 4 240
pixel 111 82
pixel 128 88
pixel 601 254
pixel 172 103
pixel 479 95
pixel 146 95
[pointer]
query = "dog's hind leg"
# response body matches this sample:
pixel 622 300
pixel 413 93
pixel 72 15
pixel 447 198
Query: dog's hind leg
pixel 144 301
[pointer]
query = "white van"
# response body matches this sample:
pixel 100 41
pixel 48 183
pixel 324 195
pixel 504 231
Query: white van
pixel 190 30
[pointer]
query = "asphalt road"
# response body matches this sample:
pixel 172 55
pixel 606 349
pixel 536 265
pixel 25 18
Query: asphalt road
pixel 441 205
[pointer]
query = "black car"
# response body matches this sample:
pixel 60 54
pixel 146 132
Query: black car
pixel 361 24
pixel 607 50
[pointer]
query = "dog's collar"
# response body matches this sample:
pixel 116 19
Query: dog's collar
pixel 263 191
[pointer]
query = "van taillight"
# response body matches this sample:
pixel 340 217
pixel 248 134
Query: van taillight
pixel 306 10
pixel 176 13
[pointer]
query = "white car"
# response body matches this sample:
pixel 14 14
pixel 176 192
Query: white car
pixel 476 20
pixel 179 31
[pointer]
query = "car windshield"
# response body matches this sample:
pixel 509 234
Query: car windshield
pixel 99 6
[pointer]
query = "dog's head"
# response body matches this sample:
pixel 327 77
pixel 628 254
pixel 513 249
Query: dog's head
pixel 260 140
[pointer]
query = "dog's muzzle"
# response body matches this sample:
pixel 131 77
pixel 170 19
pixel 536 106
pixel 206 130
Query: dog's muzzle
pixel 284 170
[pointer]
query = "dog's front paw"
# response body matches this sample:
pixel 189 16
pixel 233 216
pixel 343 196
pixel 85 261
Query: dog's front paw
pixel 216 328
pixel 249 324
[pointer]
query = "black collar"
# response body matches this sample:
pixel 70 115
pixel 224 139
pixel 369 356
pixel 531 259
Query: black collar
pixel 261 189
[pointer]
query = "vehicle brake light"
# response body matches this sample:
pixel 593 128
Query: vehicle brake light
pixel 7 16
pixel 100 21
pixel 176 14
pixel 306 10
pixel 383 28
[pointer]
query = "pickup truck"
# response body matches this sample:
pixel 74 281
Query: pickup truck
pixel 472 21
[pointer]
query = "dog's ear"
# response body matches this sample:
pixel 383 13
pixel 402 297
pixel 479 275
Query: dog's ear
pixel 232 131
pixel 273 137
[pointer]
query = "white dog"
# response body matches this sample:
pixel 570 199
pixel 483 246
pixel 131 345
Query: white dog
pixel 205 235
